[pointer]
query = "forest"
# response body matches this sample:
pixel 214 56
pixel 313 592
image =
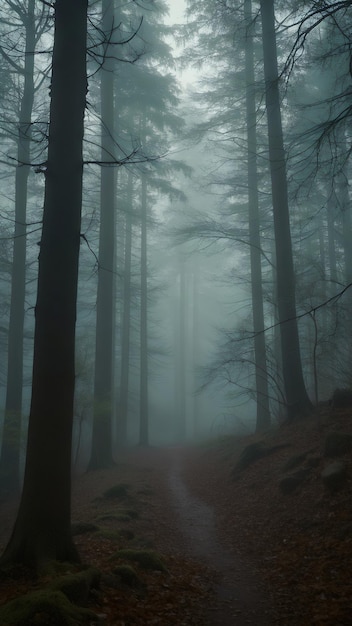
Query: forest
pixel 175 269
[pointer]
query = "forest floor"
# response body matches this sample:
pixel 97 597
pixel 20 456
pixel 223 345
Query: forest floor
pixel 234 549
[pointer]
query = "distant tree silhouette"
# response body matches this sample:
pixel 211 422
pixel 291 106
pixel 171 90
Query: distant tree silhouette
pixel 33 27
pixel 101 455
pixel 297 398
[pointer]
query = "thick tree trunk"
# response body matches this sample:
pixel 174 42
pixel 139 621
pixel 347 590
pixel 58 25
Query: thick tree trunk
pixel 298 402
pixel 10 452
pixel 261 378
pixel 101 455
pixel 42 527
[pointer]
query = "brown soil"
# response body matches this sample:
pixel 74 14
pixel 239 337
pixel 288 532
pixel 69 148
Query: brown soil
pixel 237 551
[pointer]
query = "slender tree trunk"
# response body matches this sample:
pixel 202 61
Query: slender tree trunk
pixel 126 321
pixel 143 398
pixel 331 241
pixel 298 402
pixel 261 379
pixel 345 206
pixel 277 369
pixel 10 452
pixel 101 455
pixel 195 350
pixel 42 528
pixel 181 364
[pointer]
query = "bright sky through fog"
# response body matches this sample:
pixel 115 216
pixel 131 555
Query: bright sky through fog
pixel 176 16
pixel 177 8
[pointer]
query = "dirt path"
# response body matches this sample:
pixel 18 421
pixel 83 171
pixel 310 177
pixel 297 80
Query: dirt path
pixel 240 599
pixel 208 583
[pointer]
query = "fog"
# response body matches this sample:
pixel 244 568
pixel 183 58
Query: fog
pixel 213 295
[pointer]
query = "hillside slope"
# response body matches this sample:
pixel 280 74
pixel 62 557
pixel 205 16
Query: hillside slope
pixel 295 528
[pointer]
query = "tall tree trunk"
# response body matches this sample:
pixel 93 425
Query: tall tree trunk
pixel 261 378
pixel 195 350
pixel 331 240
pixel 101 455
pixel 143 397
pixel 181 425
pixel 346 303
pixel 345 207
pixel 126 321
pixel 10 452
pixel 298 402
pixel 42 528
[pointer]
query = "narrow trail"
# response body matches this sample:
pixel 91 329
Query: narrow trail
pixel 240 599
pixel 208 583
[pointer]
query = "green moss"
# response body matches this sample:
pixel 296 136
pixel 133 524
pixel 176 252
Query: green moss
pixel 44 608
pixel 117 491
pixel 76 587
pixel 128 576
pixel 125 533
pixel 112 535
pixel 107 517
pixel 52 569
pixel 132 513
pixel 146 491
pixel 147 559
pixel 122 517
pixel 81 528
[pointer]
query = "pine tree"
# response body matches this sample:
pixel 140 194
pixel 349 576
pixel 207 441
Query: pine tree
pixel 42 530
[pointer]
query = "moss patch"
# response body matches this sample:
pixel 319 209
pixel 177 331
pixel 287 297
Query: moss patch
pixel 107 517
pixel 146 491
pixel 112 535
pixel 132 513
pixel 127 576
pixel 76 587
pixel 81 528
pixel 119 491
pixel 44 608
pixel 147 559
pixel 122 517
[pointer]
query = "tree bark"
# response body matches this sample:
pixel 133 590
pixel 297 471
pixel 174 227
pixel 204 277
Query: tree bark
pixel 101 455
pixel 331 241
pixel 10 451
pixel 297 399
pixel 181 424
pixel 126 321
pixel 261 379
pixel 42 528
pixel 195 349
pixel 143 397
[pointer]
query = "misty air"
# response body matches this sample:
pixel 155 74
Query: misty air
pixel 176 284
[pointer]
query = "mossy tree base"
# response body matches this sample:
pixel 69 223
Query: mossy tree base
pixel 45 607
